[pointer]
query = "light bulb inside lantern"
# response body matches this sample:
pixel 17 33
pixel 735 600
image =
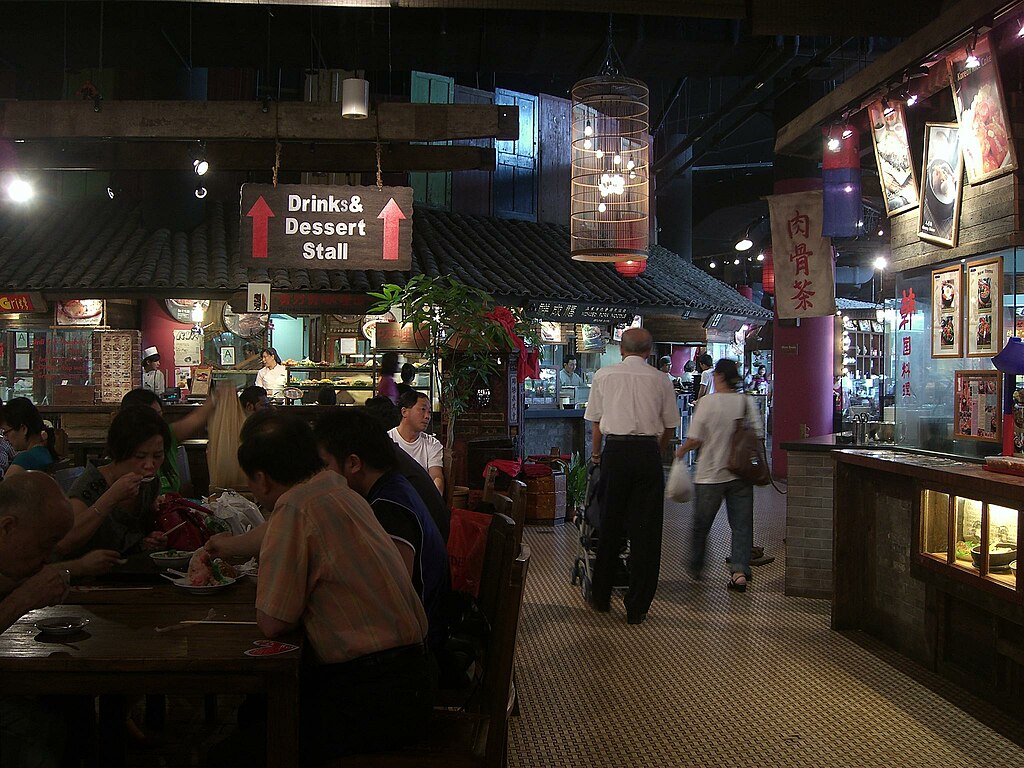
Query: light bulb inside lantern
pixel 617 159
pixel 632 174
pixel 587 144
pixel 601 207
pixel 599 153
pixel 588 129
pixel 631 165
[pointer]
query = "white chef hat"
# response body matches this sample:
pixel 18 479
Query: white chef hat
pixel 149 352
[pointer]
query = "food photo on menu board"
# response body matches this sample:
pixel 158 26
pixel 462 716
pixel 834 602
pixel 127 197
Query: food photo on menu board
pixel 892 153
pixel 80 312
pixel 984 307
pixel 939 218
pixel 981 113
pixel 978 410
pixel 947 312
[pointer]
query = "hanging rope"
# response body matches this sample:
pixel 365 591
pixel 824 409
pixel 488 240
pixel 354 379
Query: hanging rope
pixel 277 160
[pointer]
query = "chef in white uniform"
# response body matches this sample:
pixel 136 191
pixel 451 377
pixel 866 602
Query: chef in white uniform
pixel 273 376
pixel 152 377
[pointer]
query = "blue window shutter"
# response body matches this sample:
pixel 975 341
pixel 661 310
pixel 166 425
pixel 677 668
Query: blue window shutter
pixel 515 180
pixel 433 189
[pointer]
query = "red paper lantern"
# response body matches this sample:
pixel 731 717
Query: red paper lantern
pixel 631 268
pixel 768 273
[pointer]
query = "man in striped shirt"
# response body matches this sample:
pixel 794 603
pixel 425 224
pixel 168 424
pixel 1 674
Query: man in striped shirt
pixel 327 564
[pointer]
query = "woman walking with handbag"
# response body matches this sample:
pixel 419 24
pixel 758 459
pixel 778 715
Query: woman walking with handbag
pixel 713 429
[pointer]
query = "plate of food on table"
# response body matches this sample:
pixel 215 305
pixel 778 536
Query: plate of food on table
pixel 206 574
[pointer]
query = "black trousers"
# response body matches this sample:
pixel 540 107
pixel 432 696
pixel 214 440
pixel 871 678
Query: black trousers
pixel 632 491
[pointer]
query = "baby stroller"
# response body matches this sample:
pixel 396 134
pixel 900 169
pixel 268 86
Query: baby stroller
pixel 589 525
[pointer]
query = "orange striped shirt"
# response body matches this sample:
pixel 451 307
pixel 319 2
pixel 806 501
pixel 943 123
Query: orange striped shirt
pixel 326 561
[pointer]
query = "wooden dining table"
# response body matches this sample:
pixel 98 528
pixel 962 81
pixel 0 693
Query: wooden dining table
pixel 120 652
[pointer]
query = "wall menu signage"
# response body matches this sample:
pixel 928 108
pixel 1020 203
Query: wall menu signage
pixel 21 302
pixel 294 302
pixel 320 227
pixel 579 312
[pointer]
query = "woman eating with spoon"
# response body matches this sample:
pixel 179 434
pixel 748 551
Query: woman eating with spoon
pixel 114 503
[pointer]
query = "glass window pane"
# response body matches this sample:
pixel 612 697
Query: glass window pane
pixel 1002 543
pixel 967 532
pixel 935 524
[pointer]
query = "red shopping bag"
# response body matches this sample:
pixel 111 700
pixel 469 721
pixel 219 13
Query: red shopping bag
pixel 173 510
pixel 467 547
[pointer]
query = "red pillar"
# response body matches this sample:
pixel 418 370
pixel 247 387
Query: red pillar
pixel 803 363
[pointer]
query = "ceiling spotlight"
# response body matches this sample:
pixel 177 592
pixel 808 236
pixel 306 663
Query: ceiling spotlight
pixel 736 262
pixel 881 232
pixel 760 257
pixel 1020 32
pixel 200 167
pixel 745 243
pixel 200 192
pixel 911 99
pixel 20 191
pixel 355 98
pixel 111 193
pixel 848 189
pixel 880 263
pixel 972 61
pixel 847 132
pixel 712 265
pixel 887 108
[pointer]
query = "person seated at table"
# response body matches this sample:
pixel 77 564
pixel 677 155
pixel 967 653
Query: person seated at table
pixel 326 395
pixel 408 374
pixel 327 564
pixel 114 503
pixel 411 435
pixel 253 399
pixel 32 440
pixel 352 443
pixel 186 428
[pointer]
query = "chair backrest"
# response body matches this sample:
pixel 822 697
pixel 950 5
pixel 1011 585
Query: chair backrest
pixel 517 492
pixel 501 651
pixel 66 477
pixel 502 504
pixel 490 477
pixel 184 471
pixel 501 551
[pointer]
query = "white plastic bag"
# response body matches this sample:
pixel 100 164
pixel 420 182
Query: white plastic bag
pixel 679 485
pixel 237 511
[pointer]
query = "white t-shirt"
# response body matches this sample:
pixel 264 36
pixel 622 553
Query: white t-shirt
pixel 632 398
pixel 707 380
pixel 713 423
pixel 426 449
pixel 272 380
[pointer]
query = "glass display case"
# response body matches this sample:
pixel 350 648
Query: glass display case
pixel 971 538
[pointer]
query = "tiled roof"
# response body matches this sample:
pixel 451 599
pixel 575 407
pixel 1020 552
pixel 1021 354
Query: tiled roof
pixel 106 247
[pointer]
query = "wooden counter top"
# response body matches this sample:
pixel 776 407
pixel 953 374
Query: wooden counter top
pixel 969 479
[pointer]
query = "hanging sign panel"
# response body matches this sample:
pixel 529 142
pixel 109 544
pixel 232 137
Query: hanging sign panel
pixel 805 283
pixel 319 227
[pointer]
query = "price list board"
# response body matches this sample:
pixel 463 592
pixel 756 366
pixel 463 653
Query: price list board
pixel 63 357
pixel 579 312
pixel 117 364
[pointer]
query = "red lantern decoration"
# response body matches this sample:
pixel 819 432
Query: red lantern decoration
pixel 768 273
pixel 631 268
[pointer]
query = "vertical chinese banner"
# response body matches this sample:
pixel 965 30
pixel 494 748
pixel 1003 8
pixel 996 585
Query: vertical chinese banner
pixel 804 272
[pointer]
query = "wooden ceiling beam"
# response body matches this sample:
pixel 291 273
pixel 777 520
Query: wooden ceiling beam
pixel 284 121
pixel 701 9
pixel 248 155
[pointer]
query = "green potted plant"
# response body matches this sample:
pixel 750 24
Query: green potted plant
pixel 467 332
pixel 576 477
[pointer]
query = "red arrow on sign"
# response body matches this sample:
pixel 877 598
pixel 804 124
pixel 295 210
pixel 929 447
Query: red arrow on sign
pixel 260 214
pixel 391 214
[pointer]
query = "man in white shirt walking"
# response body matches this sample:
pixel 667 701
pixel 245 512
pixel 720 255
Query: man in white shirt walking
pixel 411 435
pixel 633 408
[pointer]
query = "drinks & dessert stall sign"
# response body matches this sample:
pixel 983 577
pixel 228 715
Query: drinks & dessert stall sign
pixel 319 227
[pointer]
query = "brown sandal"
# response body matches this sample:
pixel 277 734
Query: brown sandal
pixel 738 582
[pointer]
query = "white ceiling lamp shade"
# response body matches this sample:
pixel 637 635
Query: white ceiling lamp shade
pixel 609 195
pixel 355 98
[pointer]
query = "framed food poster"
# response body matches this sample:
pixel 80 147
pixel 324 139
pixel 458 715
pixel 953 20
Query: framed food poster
pixel 201 380
pixel 984 302
pixel 981 113
pixel 947 312
pixel 939 217
pixel 80 313
pixel 978 407
pixel 892 154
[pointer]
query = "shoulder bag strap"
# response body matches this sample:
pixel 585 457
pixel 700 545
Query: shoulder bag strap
pixel 764 444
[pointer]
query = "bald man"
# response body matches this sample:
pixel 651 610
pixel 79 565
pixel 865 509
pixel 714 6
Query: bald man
pixel 632 409
pixel 34 516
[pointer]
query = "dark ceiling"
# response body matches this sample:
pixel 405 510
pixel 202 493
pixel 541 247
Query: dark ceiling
pixel 701 71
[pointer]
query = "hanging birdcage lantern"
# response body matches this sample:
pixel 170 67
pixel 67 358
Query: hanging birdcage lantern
pixel 631 268
pixel 609 204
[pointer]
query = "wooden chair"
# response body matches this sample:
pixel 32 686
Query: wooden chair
pixel 490 477
pixel 517 493
pixel 464 739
